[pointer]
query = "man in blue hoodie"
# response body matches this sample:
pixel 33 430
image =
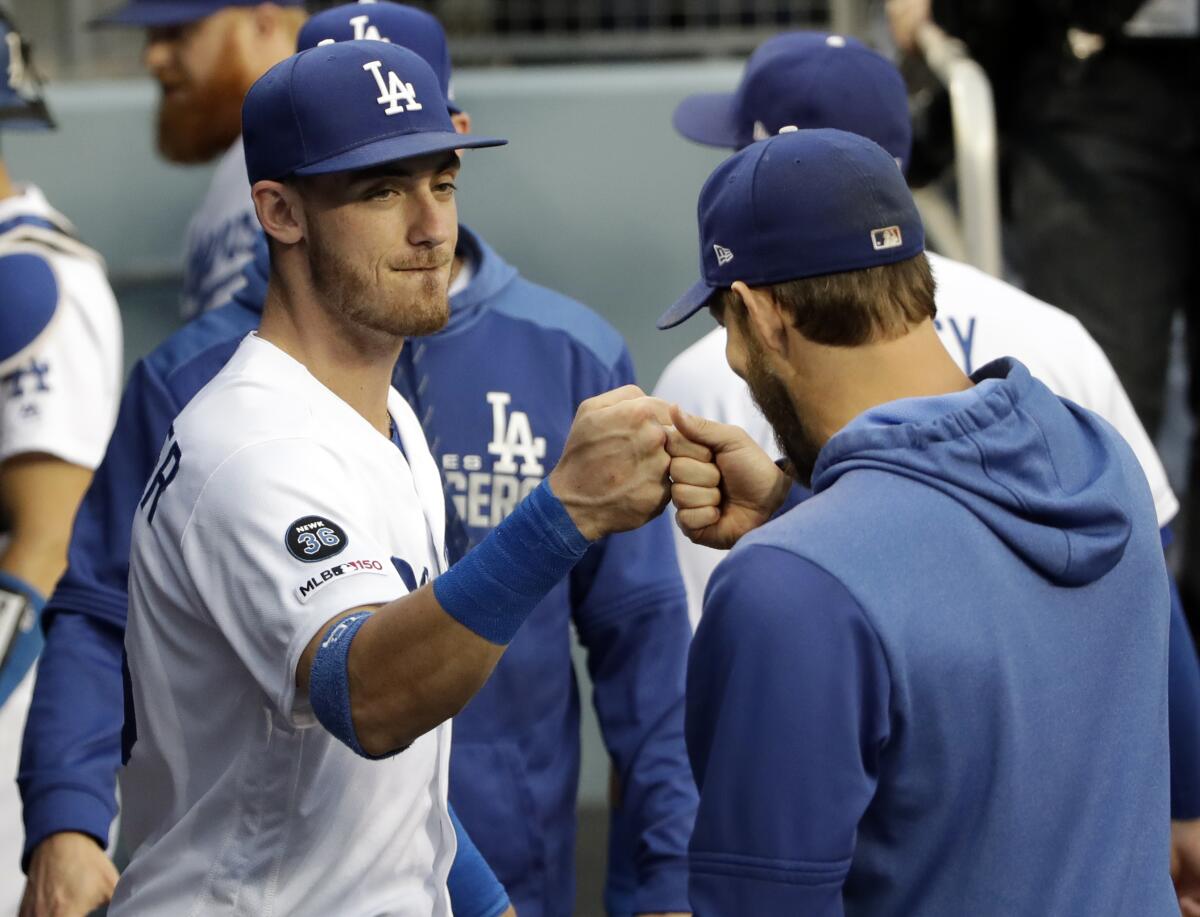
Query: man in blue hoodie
pixel 938 686
pixel 495 391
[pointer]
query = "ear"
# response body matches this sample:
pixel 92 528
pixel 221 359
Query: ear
pixel 462 122
pixel 765 317
pixel 280 211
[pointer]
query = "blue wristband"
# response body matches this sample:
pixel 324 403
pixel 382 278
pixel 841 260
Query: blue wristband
pixel 329 682
pixel 19 653
pixel 493 589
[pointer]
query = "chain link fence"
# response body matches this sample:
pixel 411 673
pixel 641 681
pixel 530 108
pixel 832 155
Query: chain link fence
pixel 482 32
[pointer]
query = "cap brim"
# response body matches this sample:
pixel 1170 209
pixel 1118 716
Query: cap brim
pixel 391 149
pixel 151 14
pixel 707 118
pixel 687 305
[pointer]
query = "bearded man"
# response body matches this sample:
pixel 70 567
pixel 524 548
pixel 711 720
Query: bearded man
pixel 205 56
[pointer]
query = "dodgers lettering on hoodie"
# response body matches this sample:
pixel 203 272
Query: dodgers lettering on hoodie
pixel 938 687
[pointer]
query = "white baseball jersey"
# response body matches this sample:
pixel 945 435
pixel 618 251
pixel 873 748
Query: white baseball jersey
pixel 220 237
pixel 61 400
pixel 979 320
pixel 275 507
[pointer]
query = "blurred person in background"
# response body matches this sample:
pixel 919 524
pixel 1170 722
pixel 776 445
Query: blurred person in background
pixel 204 56
pixel 495 426
pixel 812 80
pixel 58 402
pixel 1098 109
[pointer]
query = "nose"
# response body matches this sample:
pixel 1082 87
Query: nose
pixel 432 221
pixel 158 52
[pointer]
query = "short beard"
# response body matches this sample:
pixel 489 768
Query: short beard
pixel 771 395
pixel 207 119
pixel 346 292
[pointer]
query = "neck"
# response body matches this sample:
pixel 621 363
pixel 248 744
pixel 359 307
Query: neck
pixel 354 363
pixel 7 188
pixel 833 385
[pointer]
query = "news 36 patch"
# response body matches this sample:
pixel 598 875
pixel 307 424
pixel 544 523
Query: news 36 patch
pixel 313 538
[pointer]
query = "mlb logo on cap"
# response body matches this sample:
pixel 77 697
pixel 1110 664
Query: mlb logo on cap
pixel 888 237
pixel 804 203
pixel 344 107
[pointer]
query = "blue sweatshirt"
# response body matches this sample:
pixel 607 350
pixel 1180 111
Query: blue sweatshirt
pixel 939 686
pixel 496 392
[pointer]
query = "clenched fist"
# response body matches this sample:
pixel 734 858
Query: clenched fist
pixel 719 499
pixel 612 476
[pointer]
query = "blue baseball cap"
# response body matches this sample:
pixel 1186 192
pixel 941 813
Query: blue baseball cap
pixel 344 107
pixel 21 104
pixel 28 301
pixel 149 14
pixel 804 203
pixel 805 80
pixel 403 25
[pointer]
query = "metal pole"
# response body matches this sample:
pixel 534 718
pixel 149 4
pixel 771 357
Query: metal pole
pixel 973 114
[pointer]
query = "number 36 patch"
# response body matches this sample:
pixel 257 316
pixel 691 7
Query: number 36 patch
pixel 313 538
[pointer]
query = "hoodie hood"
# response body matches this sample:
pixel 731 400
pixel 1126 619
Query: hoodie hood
pixel 491 274
pixel 1039 471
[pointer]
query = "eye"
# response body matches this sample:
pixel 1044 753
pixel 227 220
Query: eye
pixel 446 187
pixel 381 194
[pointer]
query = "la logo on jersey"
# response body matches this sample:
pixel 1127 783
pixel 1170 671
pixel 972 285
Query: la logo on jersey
pixel 484 498
pixel 512 437
pixel 393 90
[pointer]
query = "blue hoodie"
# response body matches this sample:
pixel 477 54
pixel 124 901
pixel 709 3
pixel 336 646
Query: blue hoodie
pixel 939 686
pixel 514 773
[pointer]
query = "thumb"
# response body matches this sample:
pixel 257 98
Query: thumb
pixel 717 436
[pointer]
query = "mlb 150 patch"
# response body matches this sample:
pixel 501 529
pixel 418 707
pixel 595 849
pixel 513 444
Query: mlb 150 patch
pixel 313 538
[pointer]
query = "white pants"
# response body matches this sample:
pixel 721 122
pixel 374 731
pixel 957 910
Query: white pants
pixel 12 831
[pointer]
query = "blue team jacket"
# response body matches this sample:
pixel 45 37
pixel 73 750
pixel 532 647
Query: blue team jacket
pixel 939 686
pixel 496 392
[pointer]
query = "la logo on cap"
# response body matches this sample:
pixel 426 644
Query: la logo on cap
pixel 724 255
pixel 362 30
pixel 887 237
pixel 394 91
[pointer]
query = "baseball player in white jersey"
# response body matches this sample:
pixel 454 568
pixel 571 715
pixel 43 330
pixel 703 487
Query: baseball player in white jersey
pixel 204 56
pixel 284 548
pixel 58 402
pixel 803 80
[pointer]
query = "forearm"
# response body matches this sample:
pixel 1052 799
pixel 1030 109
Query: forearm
pixel 411 668
pixel 36 555
pixel 72 745
pixel 380 680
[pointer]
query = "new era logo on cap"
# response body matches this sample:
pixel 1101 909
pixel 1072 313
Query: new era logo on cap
pixel 724 255
pixel 887 237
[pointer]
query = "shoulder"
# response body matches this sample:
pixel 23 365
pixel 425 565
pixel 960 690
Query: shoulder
pixel 964 288
pixel 29 298
pixel 768 599
pixel 554 313
pixel 204 344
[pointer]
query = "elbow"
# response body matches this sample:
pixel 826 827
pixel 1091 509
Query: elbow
pixel 386 724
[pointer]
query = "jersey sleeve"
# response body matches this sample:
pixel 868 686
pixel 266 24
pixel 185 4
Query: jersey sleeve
pixel 280 541
pixel 62 399
pixel 787 718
